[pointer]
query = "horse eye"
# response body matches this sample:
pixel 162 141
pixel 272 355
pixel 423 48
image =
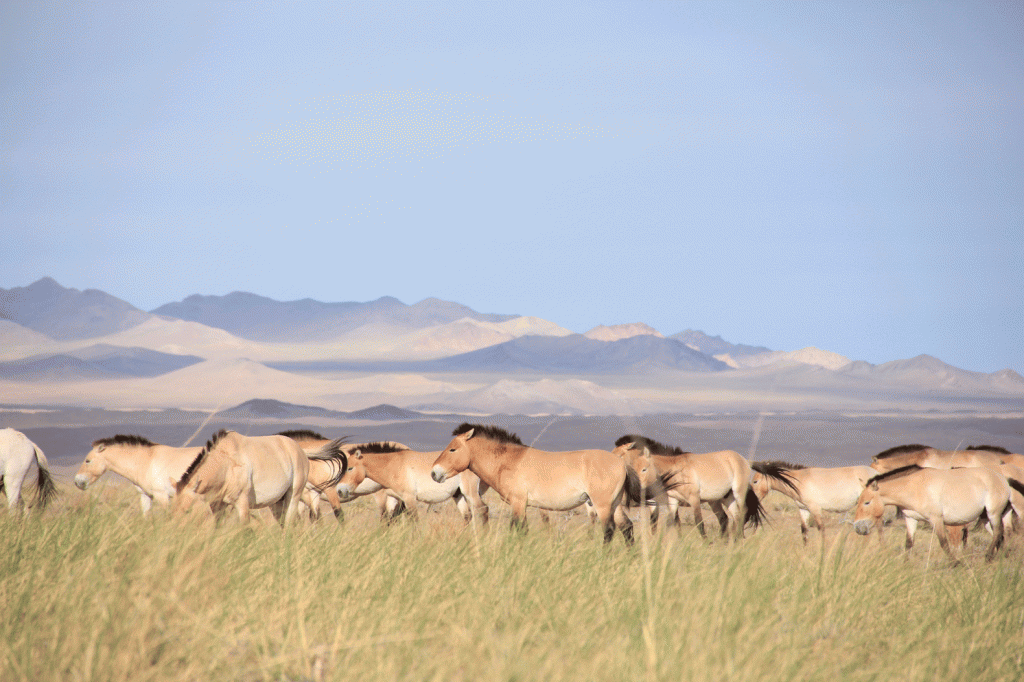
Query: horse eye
pixel 452 450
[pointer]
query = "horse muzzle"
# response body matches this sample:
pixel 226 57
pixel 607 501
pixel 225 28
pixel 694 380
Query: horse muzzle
pixel 344 491
pixel 438 474
pixel 82 482
pixel 863 527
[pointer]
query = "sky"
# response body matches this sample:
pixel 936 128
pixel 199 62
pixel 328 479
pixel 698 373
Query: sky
pixel 840 175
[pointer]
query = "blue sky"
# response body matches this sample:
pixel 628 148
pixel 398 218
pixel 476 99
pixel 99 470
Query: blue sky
pixel 842 175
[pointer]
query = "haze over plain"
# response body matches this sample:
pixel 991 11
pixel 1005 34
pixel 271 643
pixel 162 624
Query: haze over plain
pixel 832 175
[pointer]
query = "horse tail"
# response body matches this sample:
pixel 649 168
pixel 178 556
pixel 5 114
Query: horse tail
pixel 335 457
pixel 46 490
pixel 777 471
pixel 634 492
pixel 756 513
pixel 1016 485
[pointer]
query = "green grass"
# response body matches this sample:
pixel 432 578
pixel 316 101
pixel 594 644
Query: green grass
pixel 94 591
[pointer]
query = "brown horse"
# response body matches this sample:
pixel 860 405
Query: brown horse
pixel 814 489
pixel 323 479
pixel 722 479
pixel 939 496
pixel 526 477
pixel 246 473
pixel 405 475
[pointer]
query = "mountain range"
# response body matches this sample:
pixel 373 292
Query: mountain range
pixel 433 355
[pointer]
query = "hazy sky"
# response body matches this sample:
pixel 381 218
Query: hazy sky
pixel 842 175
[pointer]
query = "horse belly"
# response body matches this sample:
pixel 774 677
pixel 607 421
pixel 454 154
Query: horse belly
pixel 268 489
pixel 556 501
pixel 428 491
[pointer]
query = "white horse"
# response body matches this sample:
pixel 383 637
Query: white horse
pixel 17 453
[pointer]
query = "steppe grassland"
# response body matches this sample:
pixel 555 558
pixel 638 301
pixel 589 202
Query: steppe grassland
pixel 93 591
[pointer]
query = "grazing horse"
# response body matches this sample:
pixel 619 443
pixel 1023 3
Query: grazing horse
pixel 246 473
pixel 527 477
pixel 152 468
pixel 319 482
pixel 939 496
pixel 722 479
pixel 405 475
pixel 814 489
pixel 17 453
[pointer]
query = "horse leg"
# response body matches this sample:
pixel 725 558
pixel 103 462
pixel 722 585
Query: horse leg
pixel 462 504
pixel 957 535
pixel 470 488
pixel 819 521
pixel 723 517
pixel 518 524
pixel 698 516
pixel 940 532
pixel 332 498
pixel 805 523
pixel 911 529
pixel 621 519
pixel 997 535
pixel 12 486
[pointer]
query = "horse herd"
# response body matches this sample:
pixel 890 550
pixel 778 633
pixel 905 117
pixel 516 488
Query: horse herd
pixel 947 489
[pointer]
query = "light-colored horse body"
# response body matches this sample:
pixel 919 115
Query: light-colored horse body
pixel 405 475
pixel 152 468
pixel 814 489
pixel 246 473
pixel 722 479
pixel 17 455
pixel 940 497
pixel 526 477
pixel 931 458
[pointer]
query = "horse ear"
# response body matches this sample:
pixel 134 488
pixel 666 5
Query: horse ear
pixel 647 452
pixel 631 446
pixel 358 454
pixel 469 434
pixel 874 486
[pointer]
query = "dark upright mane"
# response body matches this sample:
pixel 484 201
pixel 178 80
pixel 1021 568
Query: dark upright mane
pixel 378 447
pixel 781 465
pixel 494 433
pixel 779 471
pixel 121 439
pixel 901 450
pixel 654 446
pixel 990 448
pixel 895 473
pixel 301 434
pixel 187 476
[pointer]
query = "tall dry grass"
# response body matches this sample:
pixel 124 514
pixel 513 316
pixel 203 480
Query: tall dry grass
pixel 93 591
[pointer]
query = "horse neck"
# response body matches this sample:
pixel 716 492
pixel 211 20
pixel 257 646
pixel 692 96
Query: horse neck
pixel 487 463
pixel 130 461
pixel 670 464
pixel 781 487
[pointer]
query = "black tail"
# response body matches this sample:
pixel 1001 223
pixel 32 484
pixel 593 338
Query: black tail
pixel 633 490
pixel 45 488
pixel 338 460
pixel 777 471
pixel 1016 485
pixel 756 514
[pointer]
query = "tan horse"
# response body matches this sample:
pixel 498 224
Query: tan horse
pixel 932 458
pixel 405 475
pixel 1005 456
pixel 814 489
pixel 939 496
pixel 246 473
pixel 17 455
pixel 527 477
pixel 722 479
pixel 319 483
pixel 152 468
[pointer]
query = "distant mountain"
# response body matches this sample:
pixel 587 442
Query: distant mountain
pixel 715 345
pixel 577 354
pixel 95 362
pixel 929 372
pixel 547 396
pixel 67 314
pixel 278 409
pixel 806 356
pixel 257 318
pixel 621 331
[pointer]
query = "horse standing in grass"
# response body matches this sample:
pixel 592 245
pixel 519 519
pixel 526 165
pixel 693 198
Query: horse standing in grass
pixel 721 479
pixel 152 468
pixel 555 481
pixel 246 473
pixel 17 454
pixel 322 481
pixel 405 475
pixel 814 489
pixel 939 496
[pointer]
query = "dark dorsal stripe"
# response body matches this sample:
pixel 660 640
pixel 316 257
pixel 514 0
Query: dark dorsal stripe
pixel 901 450
pixel 187 476
pixel 122 439
pixel 490 432
pixel 654 446
pixel 895 473
pixel 990 448
pixel 378 447
pixel 302 434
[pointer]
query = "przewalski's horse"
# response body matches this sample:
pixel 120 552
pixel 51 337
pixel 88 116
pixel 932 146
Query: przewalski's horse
pixel 939 496
pixel 152 468
pixel 320 476
pixel 246 473
pixel 405 475
pixel 932 458
pixel 1005 456
pixel 814 489
pixel 555 481
pixel 722 479
pixel 17 454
